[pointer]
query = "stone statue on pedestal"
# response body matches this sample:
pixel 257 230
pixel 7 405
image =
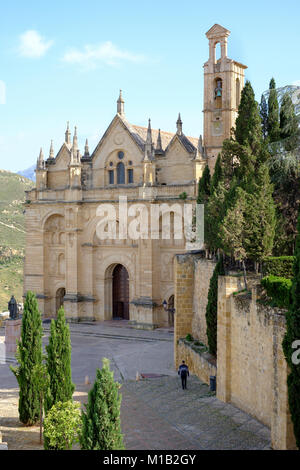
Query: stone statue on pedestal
pixel 13 309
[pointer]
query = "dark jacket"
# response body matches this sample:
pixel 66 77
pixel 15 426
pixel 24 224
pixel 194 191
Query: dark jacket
pixel 183 370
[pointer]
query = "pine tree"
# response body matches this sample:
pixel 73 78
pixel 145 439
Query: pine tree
pixel 264 116
pixel 293 334
pixel 101 422
pixel 212 307
pixel 248 123
pixel 29 356
pixel 217 176
pixel 204 186
pixel 289 127
pixel 59 361
pixel 273 113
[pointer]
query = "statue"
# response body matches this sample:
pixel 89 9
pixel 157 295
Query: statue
pixel 218 89
pixel 13 309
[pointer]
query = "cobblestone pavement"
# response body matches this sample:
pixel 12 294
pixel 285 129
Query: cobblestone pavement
pixel 156 413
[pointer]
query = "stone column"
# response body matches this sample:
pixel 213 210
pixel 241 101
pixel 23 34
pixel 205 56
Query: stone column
pixel 184 295
pixel 12 334
pixel 226 286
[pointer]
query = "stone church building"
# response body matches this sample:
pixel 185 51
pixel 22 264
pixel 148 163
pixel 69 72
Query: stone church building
pixel 100 279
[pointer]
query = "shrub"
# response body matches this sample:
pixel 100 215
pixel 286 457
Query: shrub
pixel 189 337
pixel 59 361
pixel 101 428
pixel 62 426
pixel 29 355
pixel 281 266
pixel 279 288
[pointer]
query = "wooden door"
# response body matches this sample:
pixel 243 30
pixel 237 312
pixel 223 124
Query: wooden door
pixel 120 292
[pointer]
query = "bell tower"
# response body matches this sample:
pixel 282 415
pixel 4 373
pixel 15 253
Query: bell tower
pixel 223 82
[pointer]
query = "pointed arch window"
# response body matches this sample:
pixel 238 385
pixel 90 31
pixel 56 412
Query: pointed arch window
pixel 120 173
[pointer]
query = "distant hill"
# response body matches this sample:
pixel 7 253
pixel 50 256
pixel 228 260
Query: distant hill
pixel 28 173
pixel 12 235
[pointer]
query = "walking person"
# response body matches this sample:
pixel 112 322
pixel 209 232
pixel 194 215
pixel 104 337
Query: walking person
pixel 183 371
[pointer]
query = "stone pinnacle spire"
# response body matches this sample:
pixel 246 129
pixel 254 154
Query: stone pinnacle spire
pixel 179 125
pixel 75 142
pixel 120 105
pixel 159 149
pixel 68 135
pixel 51 153
pixel 40 161
pixel 149 145
pixel 86 149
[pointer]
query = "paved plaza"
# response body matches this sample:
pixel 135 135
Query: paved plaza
pixel 156 413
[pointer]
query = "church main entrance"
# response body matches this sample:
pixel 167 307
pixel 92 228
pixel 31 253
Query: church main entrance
pixel 120 292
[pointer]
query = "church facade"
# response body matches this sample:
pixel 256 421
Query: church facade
pixel 104 277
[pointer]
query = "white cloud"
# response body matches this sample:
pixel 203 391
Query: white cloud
pixel 296 83
pixel 33 45
pixel 105 53
pixel 2 92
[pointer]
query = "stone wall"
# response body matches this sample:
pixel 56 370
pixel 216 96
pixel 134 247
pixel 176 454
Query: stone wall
pixel 251 368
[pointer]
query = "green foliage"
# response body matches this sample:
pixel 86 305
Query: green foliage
pixel 101 422
pixel 264 116
pixel 234 225
pixel 289 126
pixel 183 196
pixel 41 380
pixel 273 114
pixel 59 361
pixel 189 337
pixel 217 176
pixel 62 426
pixel 248 123
pixel 204 186
pixel 212 308
pixel 279 289
pixel 281 266
pixel 292 334
pixel 29 356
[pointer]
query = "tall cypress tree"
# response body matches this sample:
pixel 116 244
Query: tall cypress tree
pixel 264 116
pixel 248 123
pixel 212 308
pixel 289 127
pixel 101 427
pixel 217 176
pixel 29 356
pixel 273 113
pixel 59 361
pixel 293 334
pixel 204 186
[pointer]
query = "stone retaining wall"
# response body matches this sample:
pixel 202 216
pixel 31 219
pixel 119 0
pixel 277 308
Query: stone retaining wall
pixel 201 364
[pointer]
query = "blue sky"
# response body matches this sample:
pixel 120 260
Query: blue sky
pixel 66 60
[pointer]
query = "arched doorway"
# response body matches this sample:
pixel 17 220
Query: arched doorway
pixel 171 311
pixel 60 293
pixel 120 292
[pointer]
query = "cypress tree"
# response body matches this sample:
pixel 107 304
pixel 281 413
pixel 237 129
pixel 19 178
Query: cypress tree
pixel 204 186
pixel 217 176
pixel 273 113
pixel 264 116
pixel 29 356
pixel 59 361
pixel 289 127
pixel 212 307
pixel 101 427
pixel 293 334
pixel 248 123
pixel 260 216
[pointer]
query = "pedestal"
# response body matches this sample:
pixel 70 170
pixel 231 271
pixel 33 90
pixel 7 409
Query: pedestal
pixel 12 334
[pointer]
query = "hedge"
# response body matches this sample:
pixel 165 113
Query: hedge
pixel 280 289
pixel 281 266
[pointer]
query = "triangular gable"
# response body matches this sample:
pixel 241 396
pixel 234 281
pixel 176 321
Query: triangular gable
pixel 217 31
pixel 184 142
pixel 129 129
pixel 62 158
